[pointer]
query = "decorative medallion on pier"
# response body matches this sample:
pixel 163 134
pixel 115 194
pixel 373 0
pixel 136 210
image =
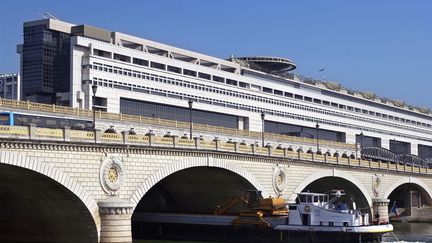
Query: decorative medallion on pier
pixel 279 180
pixel 111 175
pixel 376 183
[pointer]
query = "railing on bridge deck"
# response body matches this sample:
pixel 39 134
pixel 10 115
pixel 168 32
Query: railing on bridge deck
pixel 27 105
pixel 22 133
pixel 382 154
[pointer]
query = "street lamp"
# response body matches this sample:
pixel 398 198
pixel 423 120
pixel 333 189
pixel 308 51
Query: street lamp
pixel 94 89
pixel 190 102
pixel 317 135
pixel 361 144
pixel 262 122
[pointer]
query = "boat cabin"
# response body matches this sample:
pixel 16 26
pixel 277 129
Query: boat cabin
pixel 324 209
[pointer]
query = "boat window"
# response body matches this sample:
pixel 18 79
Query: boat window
pixel 292 207
pixel 345 224
pixel 331 223
pixel 316 199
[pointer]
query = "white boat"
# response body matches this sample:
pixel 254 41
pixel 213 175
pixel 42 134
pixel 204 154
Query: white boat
pixel 318 217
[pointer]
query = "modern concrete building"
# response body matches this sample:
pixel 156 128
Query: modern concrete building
pixel 10 86
pixel 61 62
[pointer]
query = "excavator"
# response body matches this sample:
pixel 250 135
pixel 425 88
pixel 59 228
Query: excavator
pixel 254 209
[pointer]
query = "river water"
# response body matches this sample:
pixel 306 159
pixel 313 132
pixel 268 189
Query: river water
pixel 403 233
pixel 410 232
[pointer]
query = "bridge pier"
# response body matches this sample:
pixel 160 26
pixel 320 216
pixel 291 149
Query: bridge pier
pixel 380 207
pixel 115 216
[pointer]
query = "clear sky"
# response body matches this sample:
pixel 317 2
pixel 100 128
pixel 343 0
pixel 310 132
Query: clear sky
pixel 380 46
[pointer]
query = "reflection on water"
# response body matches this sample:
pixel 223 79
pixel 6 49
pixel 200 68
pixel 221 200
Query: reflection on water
pixel 404 232
pixel 411 232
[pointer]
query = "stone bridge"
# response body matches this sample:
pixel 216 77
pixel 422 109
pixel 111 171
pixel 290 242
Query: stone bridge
pixel 62 185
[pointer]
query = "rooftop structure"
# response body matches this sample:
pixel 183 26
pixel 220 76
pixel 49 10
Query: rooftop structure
pixel 272 65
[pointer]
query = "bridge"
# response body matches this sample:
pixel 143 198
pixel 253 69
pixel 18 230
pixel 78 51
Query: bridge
pixel 67 185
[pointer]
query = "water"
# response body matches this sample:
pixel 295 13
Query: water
pixel 405 232
pixel 410 232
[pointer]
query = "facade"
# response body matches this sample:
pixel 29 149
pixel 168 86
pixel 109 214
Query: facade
pixel 10 86
pixel 143 77
pixel 45 61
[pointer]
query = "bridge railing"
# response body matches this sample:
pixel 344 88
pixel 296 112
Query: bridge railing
pixel 32 133
pixel 33 106
pixel 382 154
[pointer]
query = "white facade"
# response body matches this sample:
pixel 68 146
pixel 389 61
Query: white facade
pixel 10 85
pixel 127 67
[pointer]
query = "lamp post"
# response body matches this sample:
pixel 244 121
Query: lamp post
pixel 361 144
pixel 94 89
pixel 317 135
pixel 190 102
pixel 262 123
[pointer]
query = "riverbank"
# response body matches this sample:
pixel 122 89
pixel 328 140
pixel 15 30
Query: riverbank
pixel 418 215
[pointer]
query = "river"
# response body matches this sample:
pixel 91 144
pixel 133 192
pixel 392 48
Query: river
pixel 404 232
pixel 410 232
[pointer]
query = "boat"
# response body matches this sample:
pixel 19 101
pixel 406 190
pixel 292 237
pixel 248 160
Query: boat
pixel 313 217
pixel 324 217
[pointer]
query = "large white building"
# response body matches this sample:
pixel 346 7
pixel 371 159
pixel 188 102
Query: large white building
pixel 140 76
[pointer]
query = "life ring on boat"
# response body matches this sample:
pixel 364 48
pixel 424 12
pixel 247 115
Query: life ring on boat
pixel 307 208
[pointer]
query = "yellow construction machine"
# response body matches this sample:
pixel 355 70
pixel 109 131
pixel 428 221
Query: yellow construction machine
pixel 254 209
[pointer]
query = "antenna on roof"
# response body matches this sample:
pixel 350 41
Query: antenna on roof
pixel 47 15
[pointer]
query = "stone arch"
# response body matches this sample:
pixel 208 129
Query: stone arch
pixel 190 163
pixel 406 180
pixel 53 173
pixel 332 173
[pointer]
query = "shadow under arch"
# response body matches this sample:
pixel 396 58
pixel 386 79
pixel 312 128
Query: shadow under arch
pixel 413 181
pixel 33 164
pixel 191 163
pixel 335 174
pixel 36 208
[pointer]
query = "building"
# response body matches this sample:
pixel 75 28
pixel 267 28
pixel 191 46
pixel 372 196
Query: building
pixel 10 86
pixel 45 61
pixel 139 76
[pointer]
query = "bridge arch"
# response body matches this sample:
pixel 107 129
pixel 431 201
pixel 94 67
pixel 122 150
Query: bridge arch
pixel 45 169
pixel 331 173
pixel 408 180
pixel 191 163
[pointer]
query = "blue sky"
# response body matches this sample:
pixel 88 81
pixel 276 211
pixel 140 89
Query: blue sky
pixel 380 46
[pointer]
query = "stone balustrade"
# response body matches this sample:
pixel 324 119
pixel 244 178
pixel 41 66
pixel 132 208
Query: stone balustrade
pixel 151 140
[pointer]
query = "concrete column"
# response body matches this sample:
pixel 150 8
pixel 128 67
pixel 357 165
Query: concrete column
pixel 197 142
pixel 97 135
pixel 414 148
pixel 125 135
pixel 380 210
pixel 253 148
pixel 175 139
pixel 32 131
pixel 115 215
pixel 66 134
pixel 269 147
pixel 385 143
pixel 151 136
pixel 217 141
pixel 350 137
pixel 236 147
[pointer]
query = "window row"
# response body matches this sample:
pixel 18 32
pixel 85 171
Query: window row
pixel 213 89
pixel 200 99
pixel 215 78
